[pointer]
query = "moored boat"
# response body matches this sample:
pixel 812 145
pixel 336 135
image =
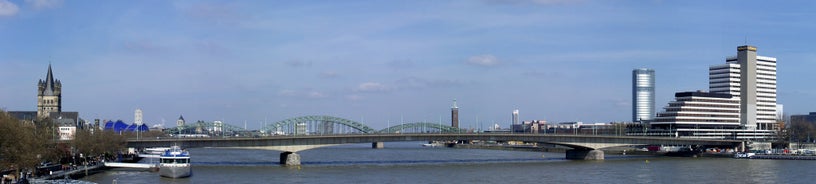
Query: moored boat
pixel 175 163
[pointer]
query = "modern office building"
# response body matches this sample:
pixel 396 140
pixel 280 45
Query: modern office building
pixel 698 114
pixel 454 115
pixel 741 103
pixel 752 79
pixel 643 95
pixel 515 117
pixel 514 122
pixel 138 117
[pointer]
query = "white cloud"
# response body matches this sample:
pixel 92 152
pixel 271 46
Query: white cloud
pixel 372 87
pixel 42 4
pixel 483 60
pixel 8 8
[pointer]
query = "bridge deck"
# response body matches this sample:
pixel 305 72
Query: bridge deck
pixel 575 141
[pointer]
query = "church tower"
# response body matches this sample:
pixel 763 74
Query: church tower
pixel 49 95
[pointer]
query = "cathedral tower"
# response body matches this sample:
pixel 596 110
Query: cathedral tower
pixel 49 95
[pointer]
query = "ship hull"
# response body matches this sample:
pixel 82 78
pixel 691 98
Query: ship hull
pixel 175 171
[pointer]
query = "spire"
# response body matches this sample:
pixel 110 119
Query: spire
pixel 49 82
pixel 454 104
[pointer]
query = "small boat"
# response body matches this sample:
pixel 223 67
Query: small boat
pixel 155 151
pixel 175 163
pixel 744 155
pixel 429 145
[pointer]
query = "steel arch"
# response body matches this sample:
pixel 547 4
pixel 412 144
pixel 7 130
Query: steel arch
pixel 201 124
pixel 443 128
pixel 293 121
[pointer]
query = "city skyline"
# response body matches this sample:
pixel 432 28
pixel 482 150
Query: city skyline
pixel 377 62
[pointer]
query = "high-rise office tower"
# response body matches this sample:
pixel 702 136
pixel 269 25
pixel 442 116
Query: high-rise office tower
pixel 454 115
pixel 138 117
pixel 643 94
pixel 751 79
pixel 515 117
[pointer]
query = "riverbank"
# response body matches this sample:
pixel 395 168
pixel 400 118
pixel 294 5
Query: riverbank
pixel 76 173
pixel 784 157
pixel 551 148
pixel 607 151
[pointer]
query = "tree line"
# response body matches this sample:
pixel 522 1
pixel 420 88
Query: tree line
pixel 25 144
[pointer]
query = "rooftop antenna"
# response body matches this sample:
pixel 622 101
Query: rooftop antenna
pixel 746 40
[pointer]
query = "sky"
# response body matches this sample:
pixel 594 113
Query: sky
pixel 386 62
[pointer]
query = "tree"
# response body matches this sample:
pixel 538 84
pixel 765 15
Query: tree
pixel 803 131
pixel 98 142
pixel 23 145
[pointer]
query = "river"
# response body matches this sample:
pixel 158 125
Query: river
pixel 408 162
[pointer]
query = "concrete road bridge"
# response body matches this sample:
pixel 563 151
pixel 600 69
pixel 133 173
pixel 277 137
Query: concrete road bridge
pixel 585 147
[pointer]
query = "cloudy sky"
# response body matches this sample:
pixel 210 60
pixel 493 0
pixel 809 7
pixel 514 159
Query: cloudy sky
pixel 381 61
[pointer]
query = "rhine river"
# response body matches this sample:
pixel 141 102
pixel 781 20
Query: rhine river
pixel 408 162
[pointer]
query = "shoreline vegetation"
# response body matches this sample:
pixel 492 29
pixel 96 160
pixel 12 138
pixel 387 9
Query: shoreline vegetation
pixel 33 150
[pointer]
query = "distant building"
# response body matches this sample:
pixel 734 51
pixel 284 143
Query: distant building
pixel 49 108
pixel 300 129
pixel 138 117
pixel 180 121
pixel 120 127
pixel 454 115
pixel 643 95
pixel 698 114
pixel 752 79
pixel 808 119
pixel 534 126
pixel 515 117
pixel 49 95
pixel 741 103
pixel 780 112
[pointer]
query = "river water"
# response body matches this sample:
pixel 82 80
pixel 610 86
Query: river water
pixel 409 162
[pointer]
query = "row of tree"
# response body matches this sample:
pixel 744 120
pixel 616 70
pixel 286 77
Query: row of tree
pixel 24 145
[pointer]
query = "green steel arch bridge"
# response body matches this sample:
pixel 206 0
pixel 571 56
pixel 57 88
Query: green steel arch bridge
pixel 311 125
pixel 208 128
pixel 326 125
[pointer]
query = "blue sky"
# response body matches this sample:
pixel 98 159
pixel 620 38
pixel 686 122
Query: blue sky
pixel 380 61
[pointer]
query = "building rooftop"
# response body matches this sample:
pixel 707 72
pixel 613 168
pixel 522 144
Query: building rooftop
pixel 702 94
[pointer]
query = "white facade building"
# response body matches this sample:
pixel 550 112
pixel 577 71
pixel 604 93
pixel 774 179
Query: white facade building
pixel 741 103
pixel 757 93
pixel 643 94
pixel 138 117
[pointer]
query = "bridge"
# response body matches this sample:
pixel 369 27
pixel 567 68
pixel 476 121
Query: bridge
pixel 307 132
pixel 585 147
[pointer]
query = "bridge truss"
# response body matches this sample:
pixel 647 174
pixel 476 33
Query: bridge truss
pixel 316 125
pixel 421 127
pixel 216 128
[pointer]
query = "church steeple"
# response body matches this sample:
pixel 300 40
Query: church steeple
pixel 49 95
pixel 49 82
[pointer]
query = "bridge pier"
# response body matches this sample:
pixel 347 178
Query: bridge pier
pixel 585 154
pixel 377 145
pixel 289 159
